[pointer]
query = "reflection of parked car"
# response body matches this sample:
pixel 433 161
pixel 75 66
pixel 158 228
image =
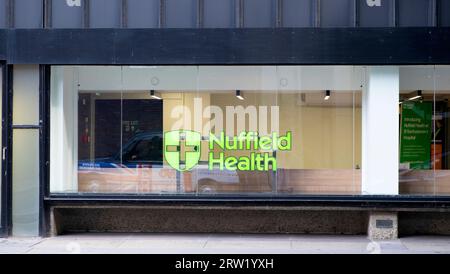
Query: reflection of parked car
pixel 139 167
pixel 132 169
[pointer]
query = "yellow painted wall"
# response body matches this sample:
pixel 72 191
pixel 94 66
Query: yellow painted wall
pixel 324 137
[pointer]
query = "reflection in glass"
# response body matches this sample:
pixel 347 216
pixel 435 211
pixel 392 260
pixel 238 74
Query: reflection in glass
pixel 424 131
pixel 285 130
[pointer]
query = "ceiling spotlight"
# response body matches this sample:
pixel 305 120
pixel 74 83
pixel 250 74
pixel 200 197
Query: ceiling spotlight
pixel 327 95
pixel 239 95
pixel 417 95
pixel 155 95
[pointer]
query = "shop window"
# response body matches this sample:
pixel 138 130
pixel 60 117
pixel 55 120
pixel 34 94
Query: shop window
pixel 424 131
pixel 206 130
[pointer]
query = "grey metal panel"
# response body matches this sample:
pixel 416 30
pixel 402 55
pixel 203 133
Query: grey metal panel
pixel 143 14
pixel 218 13
pixel 105 13
pixel 298 13
pixel 181 14
pixel 336 13
pixel 259 13
pixel 65 16
pixel 3 14
pixel 444 13
pixel 413 13
pixel 376 16
pixel 28 14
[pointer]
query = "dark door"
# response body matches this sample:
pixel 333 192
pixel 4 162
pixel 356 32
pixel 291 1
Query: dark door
pixel 4 201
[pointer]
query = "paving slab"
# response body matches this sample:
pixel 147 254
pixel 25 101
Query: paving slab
pixel 160 243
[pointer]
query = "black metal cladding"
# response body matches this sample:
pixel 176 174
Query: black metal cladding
pixel 222 13
pixel 308 46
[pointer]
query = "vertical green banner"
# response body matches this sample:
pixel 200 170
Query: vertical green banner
pixel 415 134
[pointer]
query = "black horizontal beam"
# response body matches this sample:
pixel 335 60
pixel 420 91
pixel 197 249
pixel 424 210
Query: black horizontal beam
pixel 287 46
pixel 338 201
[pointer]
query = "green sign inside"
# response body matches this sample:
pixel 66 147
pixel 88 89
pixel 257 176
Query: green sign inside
pixel 415 134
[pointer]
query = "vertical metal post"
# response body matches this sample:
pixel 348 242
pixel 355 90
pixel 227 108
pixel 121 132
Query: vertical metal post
pixel 355 13
pixel 433 15
pixel 6 186
pixel 393 22
pixel 86 11
pixel 124 14
pixel 279 13
pixel 200 13
pixel 316 10
pixel 162 14
pixel 44 147
pixel 10 13
pixel 239 11
pixel 47 13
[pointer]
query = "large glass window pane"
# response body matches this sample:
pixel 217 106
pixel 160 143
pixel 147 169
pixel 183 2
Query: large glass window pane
pixel 324 118
pixel 421 115
pixel 424 127
pixel 206 130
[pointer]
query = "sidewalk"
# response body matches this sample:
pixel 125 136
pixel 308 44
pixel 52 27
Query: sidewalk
pixel 220 243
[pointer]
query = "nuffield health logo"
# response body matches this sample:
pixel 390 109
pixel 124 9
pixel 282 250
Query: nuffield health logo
pixel 179 142
pixel 182 150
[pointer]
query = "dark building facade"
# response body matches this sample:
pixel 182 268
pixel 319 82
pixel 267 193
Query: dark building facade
pixel 286 116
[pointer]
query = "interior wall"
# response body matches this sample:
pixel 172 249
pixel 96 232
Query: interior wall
pixel 64 130
pixel 324 137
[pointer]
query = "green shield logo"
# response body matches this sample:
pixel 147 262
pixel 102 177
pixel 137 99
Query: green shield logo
pixel 180 142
